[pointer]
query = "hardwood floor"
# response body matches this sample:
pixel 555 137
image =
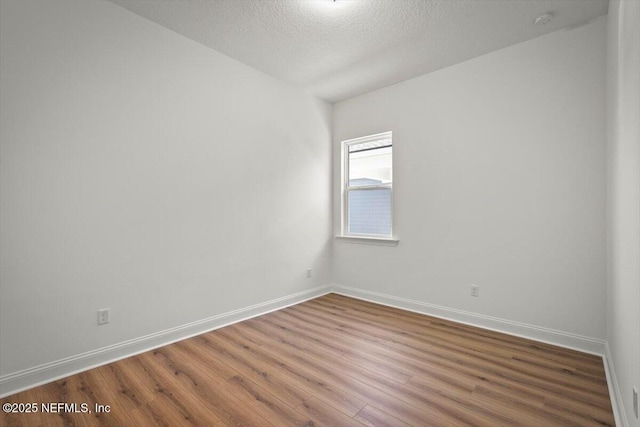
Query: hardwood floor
pixel 336 361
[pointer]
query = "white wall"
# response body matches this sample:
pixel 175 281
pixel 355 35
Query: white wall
pixel 623 173
pixel 499 181
pixel 144 172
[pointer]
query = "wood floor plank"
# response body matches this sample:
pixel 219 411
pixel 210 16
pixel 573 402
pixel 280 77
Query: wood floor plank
pixel 258 372
pixel 313 385
pixel 265 403
pixel 435 405
pixel 189 400
pixel 373 417
pixel 340 381
pixel 520 412
pixel 300 374
pixel 326 415
pixel 336 361
pixel 301 341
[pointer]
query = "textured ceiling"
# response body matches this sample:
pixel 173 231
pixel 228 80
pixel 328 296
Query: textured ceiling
pixel 344 48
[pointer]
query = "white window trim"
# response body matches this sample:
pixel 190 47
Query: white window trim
pixel 373 239
pixel 368 240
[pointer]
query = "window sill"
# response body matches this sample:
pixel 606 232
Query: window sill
pixel 367 240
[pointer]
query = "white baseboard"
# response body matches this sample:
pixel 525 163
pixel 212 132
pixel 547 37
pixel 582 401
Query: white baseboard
pixel 549 336
pixel 614 389
pixel 32 377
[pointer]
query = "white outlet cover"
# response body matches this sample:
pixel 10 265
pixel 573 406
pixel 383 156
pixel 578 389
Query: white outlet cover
pixel 103 316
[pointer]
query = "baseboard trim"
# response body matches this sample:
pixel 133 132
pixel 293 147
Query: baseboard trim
pixel 614 389
pixel 33 377
pixel 549 336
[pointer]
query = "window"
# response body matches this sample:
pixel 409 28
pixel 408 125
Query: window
pixel 368 183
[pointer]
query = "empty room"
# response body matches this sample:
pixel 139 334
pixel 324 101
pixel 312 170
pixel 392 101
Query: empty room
pixel 319 212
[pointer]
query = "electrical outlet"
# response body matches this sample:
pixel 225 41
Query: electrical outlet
pixel 104 316
pixel 635 401
pixel 308 272
pixel 475 290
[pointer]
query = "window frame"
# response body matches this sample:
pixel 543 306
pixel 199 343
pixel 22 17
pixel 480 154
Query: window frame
pixel 347 189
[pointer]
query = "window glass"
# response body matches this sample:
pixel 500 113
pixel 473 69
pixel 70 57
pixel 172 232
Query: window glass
pixel 370 166
pixel 370 211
